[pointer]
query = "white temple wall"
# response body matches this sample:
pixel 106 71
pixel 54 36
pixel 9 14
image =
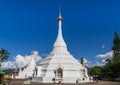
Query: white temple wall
pixel 50 73
pixel 38 70
pixel 71 74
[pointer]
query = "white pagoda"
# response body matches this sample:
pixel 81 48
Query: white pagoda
pixel 60 65
pixel 28 70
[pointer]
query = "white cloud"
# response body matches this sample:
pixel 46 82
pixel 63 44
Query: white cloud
pixel 44 54
pixel 86 62
pixel 106 55
pixel 99 64
pixel 103 46
pixel 8 64
pixel 37 58
pixel 103 61
pixel 20 61
pixel 102 57
pixel 91 64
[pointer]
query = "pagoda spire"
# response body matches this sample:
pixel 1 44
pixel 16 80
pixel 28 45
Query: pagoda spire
pixel 60 41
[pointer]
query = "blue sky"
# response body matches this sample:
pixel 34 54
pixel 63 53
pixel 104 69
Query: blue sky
pixel 88 26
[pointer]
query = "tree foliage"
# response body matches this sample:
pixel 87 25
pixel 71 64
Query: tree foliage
pixel 115 61
pixel 96 70
pixel 113 64
pixel 4 55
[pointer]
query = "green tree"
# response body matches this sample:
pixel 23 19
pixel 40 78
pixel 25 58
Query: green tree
pixel 96 70
pixel 4 55
pixel 116 45
pixel 115 62
pixel 107 71
pixel 112 65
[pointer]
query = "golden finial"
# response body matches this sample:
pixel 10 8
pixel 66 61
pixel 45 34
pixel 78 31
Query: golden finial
pixel 59 17
pixel 33 52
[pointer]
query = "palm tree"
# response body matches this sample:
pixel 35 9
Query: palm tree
pixel 4 55
pixel 82 60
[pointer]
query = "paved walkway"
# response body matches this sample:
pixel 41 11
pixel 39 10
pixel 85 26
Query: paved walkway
pixel 93 83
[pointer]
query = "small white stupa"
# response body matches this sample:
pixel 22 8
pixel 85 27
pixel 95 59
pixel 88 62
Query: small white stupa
pixel 28 71
pixel 60 65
